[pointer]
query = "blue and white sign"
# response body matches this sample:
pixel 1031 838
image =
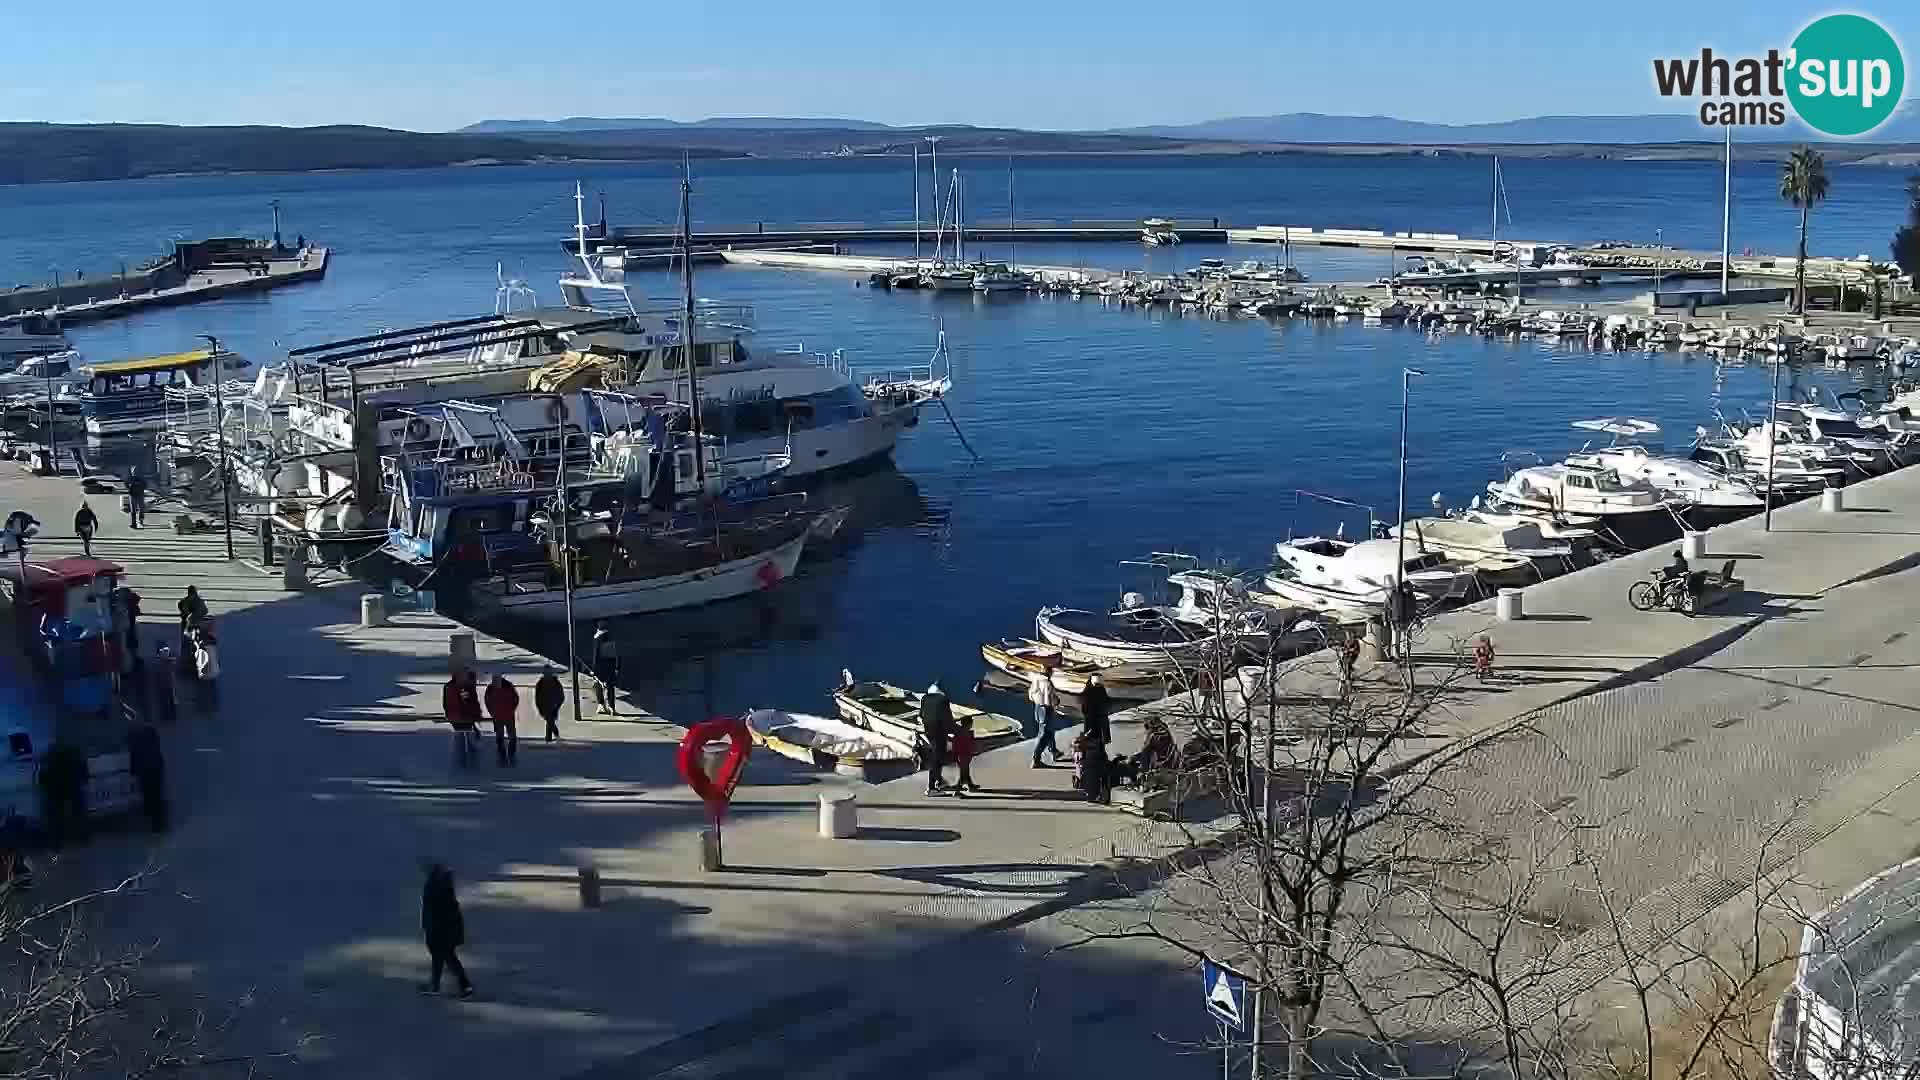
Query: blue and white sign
pixel 1226 994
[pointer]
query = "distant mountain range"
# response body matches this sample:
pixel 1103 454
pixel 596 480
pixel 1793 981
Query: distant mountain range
pixel 1293 128
pixel 1304 127
pixel 655 123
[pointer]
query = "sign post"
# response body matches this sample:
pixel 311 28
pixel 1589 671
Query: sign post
pixel 1224 993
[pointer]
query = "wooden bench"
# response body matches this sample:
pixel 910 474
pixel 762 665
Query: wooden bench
pixel 1717 588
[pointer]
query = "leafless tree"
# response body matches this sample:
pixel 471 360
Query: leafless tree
pixel 1322 770
pixel 72 1008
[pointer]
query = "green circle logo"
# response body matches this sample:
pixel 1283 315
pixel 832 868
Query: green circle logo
pixel 1847 75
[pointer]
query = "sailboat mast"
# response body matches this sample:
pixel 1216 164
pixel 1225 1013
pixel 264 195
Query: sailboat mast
pixel 1013 228
pixel 1496 199
pixel 959 230
pixel 687 336
pixel 1726 222
pixel 916 204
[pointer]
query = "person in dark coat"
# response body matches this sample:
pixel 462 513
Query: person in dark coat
pixel 936 721
pixel 133 686
pixel 1096 709
pixel 136 500
pixel 165 706
pixel 1096 774
pixel 606 670
pixel 85 524
pixel 130 603
pixel 547 699
pixel 192 608
pixel 149 767
pixel 503 705
pixel 444 929
pixel 63 787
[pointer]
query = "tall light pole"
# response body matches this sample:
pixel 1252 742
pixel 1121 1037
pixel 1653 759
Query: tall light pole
pixel 220 430
pixel 566 551
pixel 1400 526
pixel 1773 439
pixel 1659 267
pixel 1726 220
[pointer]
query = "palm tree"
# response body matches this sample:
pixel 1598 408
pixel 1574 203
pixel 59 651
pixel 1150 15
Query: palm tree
pixel 1803 182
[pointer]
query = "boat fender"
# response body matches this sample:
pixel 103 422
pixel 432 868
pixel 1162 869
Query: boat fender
pixel 417 429
pixel 1132 601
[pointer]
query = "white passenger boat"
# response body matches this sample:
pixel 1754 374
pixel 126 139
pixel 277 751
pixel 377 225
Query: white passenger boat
pixel 59 372
pixel 131 395
pixel 1158 232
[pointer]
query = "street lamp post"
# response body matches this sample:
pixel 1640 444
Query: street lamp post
pixel 566 552
pixel 220 432
pixel 1400 525
pixel 1773 437
pixel 1659 267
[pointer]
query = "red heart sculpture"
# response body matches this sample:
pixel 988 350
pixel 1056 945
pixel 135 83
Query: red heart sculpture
pixel 715 791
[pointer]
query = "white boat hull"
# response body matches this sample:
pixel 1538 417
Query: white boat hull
pixel 692 589
pixel 1107 651
pixel 867 440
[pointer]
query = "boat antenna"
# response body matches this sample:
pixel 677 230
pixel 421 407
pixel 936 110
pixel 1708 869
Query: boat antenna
pixel 686 321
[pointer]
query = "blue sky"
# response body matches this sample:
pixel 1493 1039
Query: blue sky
pixel 438 64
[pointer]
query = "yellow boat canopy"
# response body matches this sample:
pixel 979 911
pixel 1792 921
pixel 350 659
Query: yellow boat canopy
pixel 573 371
pixel 154 363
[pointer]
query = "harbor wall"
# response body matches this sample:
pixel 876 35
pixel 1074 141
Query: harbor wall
pixel 89 290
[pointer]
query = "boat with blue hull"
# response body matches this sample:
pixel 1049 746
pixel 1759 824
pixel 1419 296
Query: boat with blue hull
pixel 125 396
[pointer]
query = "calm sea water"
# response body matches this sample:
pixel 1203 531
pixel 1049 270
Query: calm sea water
pixel 1102 433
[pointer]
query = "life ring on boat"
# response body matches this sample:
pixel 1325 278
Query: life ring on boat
pixel 556 411
pixel 417 429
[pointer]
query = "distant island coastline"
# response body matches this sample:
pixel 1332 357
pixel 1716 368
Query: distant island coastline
pixel 53 153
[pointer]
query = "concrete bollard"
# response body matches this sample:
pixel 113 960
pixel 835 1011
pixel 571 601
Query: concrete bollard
pixel 838 816
pixel 589 887
pixel 1377 644
pixel 293 569
pixel 1507 607
pixel 1694 545
pixel 373 609
pixel 709 849
pixel 1831 501
pixel 460 653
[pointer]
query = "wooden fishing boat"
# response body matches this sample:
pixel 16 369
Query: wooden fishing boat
pixel 828 743
pixel 1068 670
pixel 895 712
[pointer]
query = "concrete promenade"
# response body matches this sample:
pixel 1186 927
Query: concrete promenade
pixel 307 804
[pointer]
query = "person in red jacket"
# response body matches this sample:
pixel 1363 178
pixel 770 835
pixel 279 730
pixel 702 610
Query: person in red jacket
pixel 502 702
pixel 461 702
pixel 961 747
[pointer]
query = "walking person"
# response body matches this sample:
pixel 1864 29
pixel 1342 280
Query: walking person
pixel 136 500
pixel 606 670
pixel 85 524
pixel 936 721
pixel 547 699
pixel 192 608
pixel 165 704
pixel 1040 691
pixel 130 603
pixel 444 929
pixel 207 668
pixel 460 699
pixel 963 748
pixel 503 702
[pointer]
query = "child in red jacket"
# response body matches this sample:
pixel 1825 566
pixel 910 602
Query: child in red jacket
pixel 961 748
